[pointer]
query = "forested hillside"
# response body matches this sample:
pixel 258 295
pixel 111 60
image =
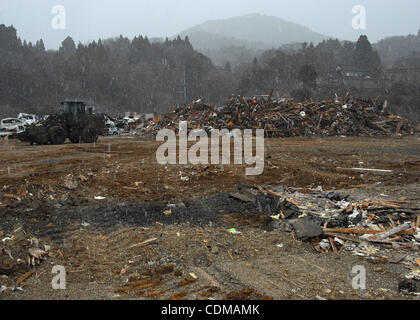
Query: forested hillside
pixel 138 75
pixel 118 74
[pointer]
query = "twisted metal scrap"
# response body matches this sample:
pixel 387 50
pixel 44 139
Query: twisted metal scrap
pixel 35 256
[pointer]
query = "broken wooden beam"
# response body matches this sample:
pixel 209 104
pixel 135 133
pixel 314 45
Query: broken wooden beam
pixel 364 231
pixel 390 232
pixel 364 170
pixel 142 244
pixel 23 278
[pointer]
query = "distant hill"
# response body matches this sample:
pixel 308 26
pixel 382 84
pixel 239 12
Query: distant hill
pixel 253 32
pixel 221 49
pixel 393 48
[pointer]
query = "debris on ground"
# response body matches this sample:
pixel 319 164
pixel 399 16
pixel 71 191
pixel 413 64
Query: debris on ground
pixel 408 286
pixel 288 118
pixel 302 224
pixel 234 231
pixel 373 228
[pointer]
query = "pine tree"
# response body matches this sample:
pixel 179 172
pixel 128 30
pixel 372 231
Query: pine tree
pixel 365 57
pixel 308 75
pixel 67 48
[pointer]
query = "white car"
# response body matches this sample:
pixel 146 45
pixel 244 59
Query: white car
pixel 113 130
pixel 130 120
pixel 10 126
pixel 28 119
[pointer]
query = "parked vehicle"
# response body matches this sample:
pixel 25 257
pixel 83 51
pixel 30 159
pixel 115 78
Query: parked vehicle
pixel 113 130
pixel 28 119
pixel 10 126
pixel 130 119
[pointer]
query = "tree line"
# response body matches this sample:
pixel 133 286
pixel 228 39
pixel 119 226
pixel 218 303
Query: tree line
pixel 117 74
pixel 140 75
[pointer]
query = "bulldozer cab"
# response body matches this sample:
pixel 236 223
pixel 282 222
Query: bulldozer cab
pixel 73 109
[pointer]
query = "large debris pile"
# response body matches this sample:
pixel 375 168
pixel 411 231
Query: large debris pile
pixel 286 118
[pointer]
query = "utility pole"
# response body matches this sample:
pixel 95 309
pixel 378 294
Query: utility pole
pixel 185 84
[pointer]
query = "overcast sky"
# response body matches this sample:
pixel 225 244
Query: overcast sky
pixel 93 19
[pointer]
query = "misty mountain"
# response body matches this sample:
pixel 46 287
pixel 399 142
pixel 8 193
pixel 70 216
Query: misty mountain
pixel 221 49
pixel 251 34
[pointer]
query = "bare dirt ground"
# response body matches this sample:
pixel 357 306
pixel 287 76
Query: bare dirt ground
pixel 48 192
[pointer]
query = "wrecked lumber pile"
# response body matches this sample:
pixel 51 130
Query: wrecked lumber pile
pixel 287 118
pixel 382 231
pixel 329 215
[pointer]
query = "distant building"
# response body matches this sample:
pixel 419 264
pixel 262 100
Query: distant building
pixel 350 72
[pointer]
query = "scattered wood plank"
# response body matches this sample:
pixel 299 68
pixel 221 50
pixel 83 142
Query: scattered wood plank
pixel 353 238
pixel 396 258
pixel 208 277
pixel 314 213
pixel 297 204
pixel 386 203
pixel 23 278
pixel 242 197
pixel 364 170
pixel 273 193
pixel 364 231
pixel 143 244
pixel 345 236
pixel 333 245
pixel 391 232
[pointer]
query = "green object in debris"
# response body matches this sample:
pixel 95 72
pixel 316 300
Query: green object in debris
pixel 233 231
